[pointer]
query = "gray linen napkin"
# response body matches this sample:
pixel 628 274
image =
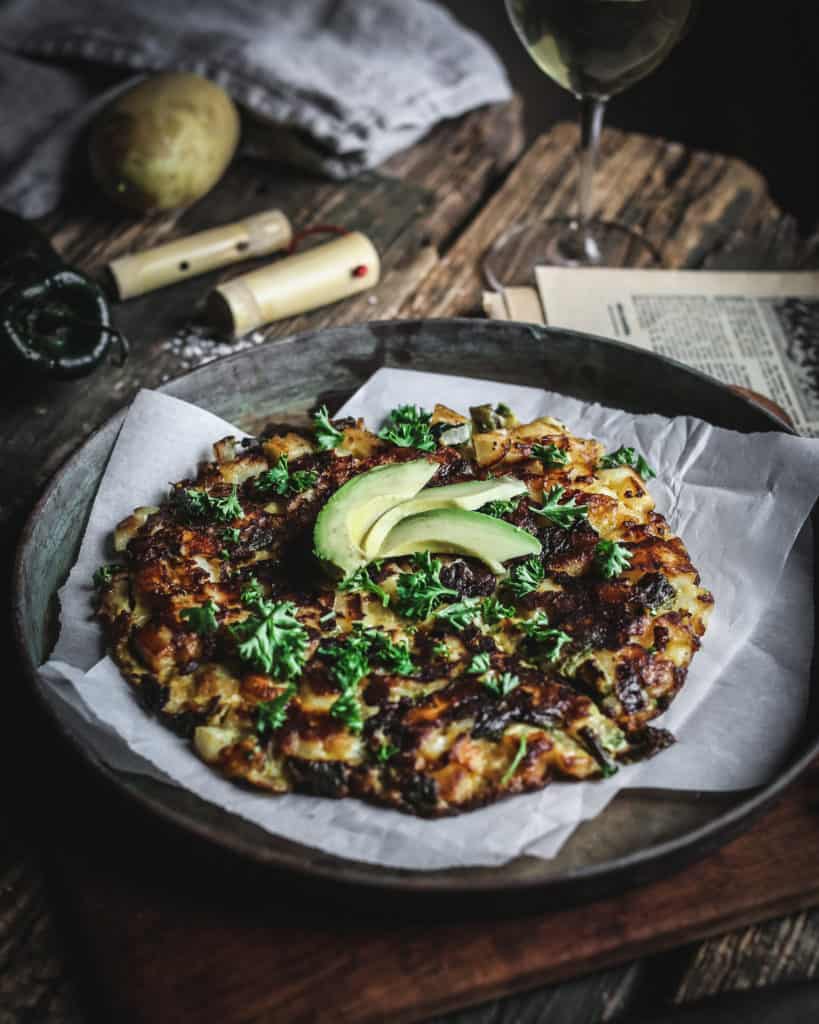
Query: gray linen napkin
pixel 351 81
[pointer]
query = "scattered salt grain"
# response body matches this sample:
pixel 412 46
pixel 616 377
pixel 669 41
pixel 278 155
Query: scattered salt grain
pixel 194 346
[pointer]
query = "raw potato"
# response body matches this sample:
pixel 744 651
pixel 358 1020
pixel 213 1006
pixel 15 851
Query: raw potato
pixel 164 143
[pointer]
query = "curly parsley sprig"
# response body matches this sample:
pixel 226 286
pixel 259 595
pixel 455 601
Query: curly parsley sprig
pixel 549 641
pixel 190 503
pixel 643 468
pixel 327 437
pixel 459 616
pixel 480 663
pixel 525 577
pixel 230 536
pixel 564 514
pixel 408 427
pixel 494 611
pixel 627 457
pixel 271 714
pixel 280 480
pixel 499 508
pixel 421 591
pixel 361 581
pixel 501 685
pixel 350 658
pixel 348 709
pixel 611 558
pixel 350 664
pixel 252 591
pixel 272 639
pixel 275 479
pixel 550 455
pixel 471 611
pixel 393 656
pixel 227 509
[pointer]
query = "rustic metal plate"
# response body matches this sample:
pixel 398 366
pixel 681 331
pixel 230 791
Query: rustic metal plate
pixel 642 834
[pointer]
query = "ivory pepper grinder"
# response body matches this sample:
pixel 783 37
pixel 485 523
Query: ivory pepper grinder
pixel 316 277
pixel 255 236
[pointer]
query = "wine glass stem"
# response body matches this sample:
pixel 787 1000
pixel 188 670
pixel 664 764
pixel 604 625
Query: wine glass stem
pixel 592 110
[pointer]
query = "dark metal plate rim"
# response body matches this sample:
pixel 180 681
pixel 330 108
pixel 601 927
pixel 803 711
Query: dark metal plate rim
pixel 706 837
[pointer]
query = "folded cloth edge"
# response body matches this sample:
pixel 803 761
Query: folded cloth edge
pixel 352 138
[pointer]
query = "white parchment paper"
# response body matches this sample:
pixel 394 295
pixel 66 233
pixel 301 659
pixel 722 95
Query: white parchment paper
pixel 739 501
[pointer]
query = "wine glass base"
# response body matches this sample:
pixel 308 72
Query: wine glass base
pixel 559 242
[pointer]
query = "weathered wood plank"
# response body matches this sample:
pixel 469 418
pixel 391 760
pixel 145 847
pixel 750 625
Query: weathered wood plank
pixel 595 999
pixel 783 950
pixel 35 981
pixel 686 203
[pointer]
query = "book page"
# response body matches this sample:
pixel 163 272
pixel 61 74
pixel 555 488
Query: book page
pixel 757 330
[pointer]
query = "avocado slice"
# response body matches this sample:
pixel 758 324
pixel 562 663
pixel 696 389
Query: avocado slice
pixel 348 515
pixel 457 531
pixel 468 495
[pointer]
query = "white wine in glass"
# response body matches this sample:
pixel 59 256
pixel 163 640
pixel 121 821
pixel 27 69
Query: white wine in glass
pixel 595 49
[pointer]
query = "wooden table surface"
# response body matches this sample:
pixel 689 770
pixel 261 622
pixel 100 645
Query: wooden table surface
pixel 431 211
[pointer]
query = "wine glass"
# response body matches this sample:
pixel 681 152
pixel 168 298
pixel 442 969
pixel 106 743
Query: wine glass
pixel 595 49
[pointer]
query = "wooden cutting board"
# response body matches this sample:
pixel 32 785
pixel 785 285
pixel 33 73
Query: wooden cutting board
pixel 184 938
